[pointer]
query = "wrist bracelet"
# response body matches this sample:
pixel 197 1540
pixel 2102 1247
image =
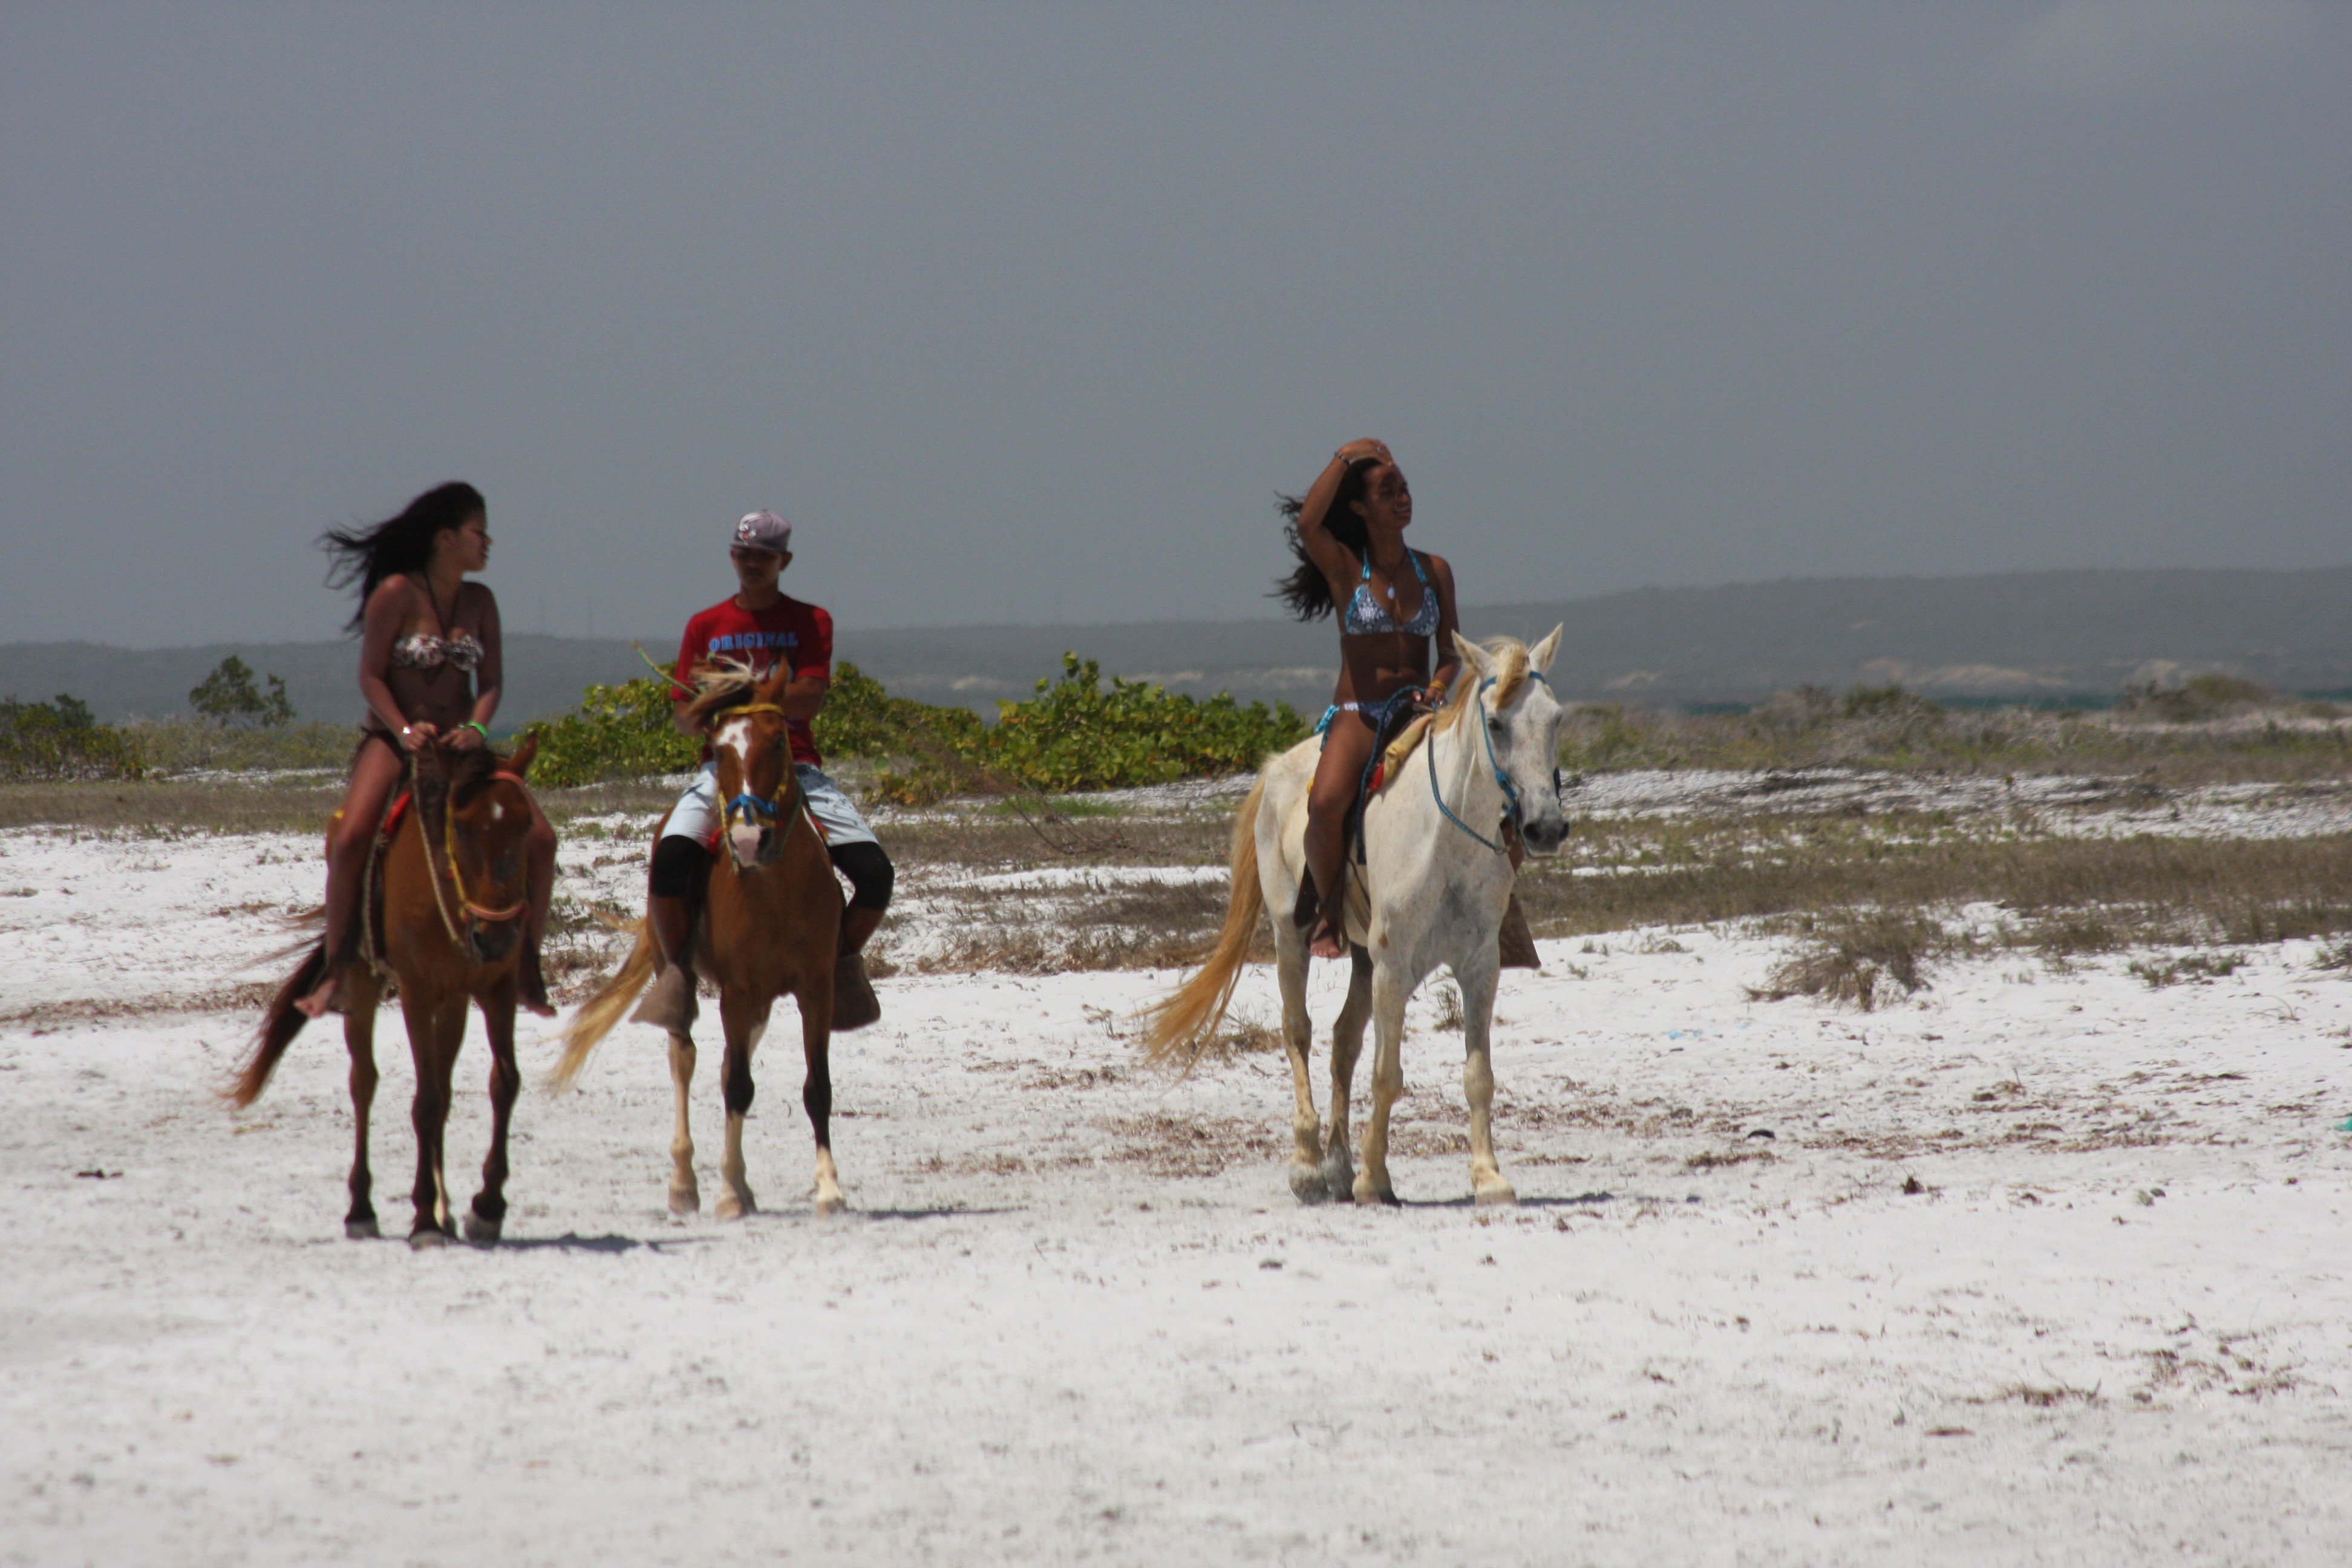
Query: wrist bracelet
pixel 476 726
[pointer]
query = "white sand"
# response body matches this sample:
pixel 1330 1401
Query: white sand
pixel 1075 1316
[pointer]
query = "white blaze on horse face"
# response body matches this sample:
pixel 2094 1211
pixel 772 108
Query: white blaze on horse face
pixel 733 742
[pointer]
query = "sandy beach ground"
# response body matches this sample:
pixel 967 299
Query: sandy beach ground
pixel 2041 1266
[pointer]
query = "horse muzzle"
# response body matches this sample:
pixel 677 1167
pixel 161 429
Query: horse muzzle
pixel 1544 832
pixel 749 844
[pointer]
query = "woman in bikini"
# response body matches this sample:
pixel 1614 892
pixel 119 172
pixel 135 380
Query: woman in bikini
pixel 1394 604
pixel 430 668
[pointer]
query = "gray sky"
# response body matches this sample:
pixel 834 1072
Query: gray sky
pixel 1023 314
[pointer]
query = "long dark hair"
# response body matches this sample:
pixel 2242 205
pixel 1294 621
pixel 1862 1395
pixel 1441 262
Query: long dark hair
pixel 405 543
pixel 1306 589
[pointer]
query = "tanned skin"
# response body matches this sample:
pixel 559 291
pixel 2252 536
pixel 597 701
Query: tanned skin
pixel 1371 667
pixel 417 707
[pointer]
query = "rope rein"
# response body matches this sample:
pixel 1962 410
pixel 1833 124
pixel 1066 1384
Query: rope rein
pixel 1494 765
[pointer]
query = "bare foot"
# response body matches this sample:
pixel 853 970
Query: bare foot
pixel 530 989
pixel 322 1000
pixel 1324 942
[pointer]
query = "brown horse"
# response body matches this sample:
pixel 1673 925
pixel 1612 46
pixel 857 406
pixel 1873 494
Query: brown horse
pixel 770 927
pixel 449 896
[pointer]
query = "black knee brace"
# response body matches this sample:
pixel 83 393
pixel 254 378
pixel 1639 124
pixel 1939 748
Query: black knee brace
pixel 871 875
pixel 678 867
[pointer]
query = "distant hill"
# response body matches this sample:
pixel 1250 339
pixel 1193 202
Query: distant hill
pixel 2049 634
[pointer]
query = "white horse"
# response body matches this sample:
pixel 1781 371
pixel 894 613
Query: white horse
pixel 1435 880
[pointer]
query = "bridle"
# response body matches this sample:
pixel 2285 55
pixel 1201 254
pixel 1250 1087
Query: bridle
pixel 764 810
pixel 475 913
pixel 1494 765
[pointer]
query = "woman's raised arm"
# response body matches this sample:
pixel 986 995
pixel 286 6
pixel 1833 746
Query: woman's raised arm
pixel 1326 551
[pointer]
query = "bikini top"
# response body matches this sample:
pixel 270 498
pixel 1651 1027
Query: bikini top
pixel 1367 616
pixel 423 650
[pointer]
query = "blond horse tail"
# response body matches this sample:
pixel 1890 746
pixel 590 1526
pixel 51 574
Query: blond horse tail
pixel 601 1012
pixel 1177 1028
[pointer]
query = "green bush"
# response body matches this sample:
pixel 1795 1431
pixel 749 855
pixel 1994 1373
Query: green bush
pixel 60 740
pixel 228 697
pixel 620 732
pixel 1073 735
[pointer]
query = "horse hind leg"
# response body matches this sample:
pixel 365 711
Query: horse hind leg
pixel 431 1044
pixel 1487 1185
pixel 1306 1178
pixel 816 1090
pixel 685 1192
pixel 1347 1046
pixel 1372 1183
pixel 359 1037
pixel 743 1031
pixel 487 1218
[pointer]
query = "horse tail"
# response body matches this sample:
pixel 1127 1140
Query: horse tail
pixel 1178 1027
pixel 279 1024
pixel 605 1008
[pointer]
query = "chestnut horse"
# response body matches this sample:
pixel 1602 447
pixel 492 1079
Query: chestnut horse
pixel 770 927
pixel 448 893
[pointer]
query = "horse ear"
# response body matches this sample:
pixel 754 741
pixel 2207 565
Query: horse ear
pixel 518 762
pixel 1476 657
pixel 773 688
pixel 1540 655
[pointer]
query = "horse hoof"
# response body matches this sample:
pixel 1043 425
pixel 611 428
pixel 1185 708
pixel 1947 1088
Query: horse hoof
pixel 684 1201
pixel 1370 1196
pixel 362 1229
pixel 1498 1193
pixel 1307 1185
pixel 831 1203
pixel 482 1232
pixel 430 1236
pixel 734 1205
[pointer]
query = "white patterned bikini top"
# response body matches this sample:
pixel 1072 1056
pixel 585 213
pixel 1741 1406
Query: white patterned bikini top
pixel 423 650
pixel 1367 616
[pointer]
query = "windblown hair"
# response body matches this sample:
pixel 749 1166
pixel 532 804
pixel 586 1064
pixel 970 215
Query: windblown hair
pixel 403 543
pixel 1305 591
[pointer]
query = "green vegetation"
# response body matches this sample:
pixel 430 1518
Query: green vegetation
pixel 1074 735
pixel 60 740
pixel 229 698
pixel 190 745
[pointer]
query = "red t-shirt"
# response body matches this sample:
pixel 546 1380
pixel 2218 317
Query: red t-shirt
pixel 787 632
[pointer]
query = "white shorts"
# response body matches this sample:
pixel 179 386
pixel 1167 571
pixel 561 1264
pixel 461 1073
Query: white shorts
pixel 696 815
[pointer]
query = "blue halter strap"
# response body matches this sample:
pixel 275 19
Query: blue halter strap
pixel 1510 791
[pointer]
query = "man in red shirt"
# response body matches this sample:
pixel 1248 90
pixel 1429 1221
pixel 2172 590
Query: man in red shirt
pixel 764 628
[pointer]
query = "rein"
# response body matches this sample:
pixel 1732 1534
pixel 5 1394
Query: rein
pixel 1510 791
pixel 457 878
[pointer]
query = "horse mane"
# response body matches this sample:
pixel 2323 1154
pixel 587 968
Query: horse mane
pixel 1510 674
pixel 719 685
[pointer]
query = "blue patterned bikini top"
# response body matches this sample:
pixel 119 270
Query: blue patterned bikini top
pixel 1367 616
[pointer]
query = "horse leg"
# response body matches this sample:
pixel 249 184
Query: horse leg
pixel 1346 1044
pixel 490 1211
pixel 358 1039
pixel 1306 1184
pixel 1477 986
pixel 816 1092
pixel 436 1059
pixel 744 1020
pixel 685 1194
pixel 1372 1185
